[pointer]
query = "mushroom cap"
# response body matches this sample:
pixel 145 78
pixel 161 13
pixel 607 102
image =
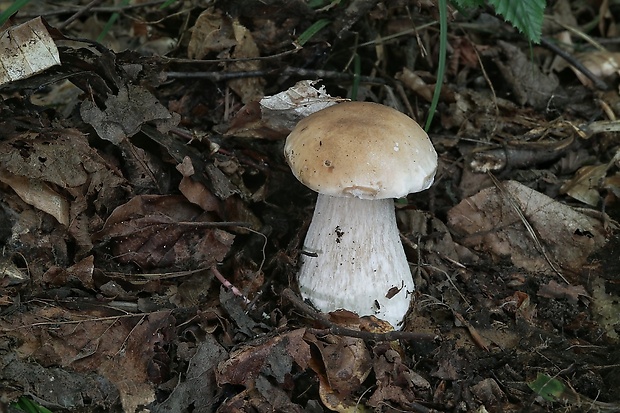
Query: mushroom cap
pixel 361 149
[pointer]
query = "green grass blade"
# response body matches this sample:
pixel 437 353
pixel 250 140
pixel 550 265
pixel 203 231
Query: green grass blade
pixel 311 31
pixel 441 69
pixel 16 6
pixel 357 68
pixel 110 23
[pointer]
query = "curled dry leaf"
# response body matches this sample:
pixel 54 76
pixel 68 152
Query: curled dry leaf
pixel 58 172
pixel 39 194
pixel 528 82
pixel 414 82
pixel 275 116
pixel 344 364
pixel 81 273
pixel 489 222
pixel 602 64
pixel 590 179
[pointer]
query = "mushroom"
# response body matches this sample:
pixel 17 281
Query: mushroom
pixel 358 156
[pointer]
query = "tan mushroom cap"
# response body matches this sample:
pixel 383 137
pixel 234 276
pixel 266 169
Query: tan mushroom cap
pixel 363 150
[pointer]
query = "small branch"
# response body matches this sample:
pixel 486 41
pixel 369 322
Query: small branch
pixel 286 71
pixel 598 82
pixel 228 285
pixel 332 328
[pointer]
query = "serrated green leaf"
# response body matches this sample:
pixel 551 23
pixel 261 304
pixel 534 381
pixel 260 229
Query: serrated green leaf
pixel 547 387
pixel 525 15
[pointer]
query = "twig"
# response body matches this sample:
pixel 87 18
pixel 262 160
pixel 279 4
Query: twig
pixel 103 9
pixel 598 82
pixel 79 13
pixel 232 60
pixel 228 285
pixel 286 71
pixel 332 328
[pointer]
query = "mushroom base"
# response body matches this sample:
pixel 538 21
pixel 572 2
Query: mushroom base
pixel 353 259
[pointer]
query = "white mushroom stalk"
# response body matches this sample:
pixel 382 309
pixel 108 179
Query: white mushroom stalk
pixel 358 156
pixel 353 258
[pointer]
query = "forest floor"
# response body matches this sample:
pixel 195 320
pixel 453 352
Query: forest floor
pixel 151 228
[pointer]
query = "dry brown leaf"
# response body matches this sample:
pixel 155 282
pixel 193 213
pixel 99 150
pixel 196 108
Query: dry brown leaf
pixel 212 32
pixel 414 82
pixel 554 290
pixel 248 88
pixel 39 194
pixel 271 356
pixel 344 364
pixel 120 349
pixel 156 231
pixel 194 191
pixel 125 113
pixel 488 222
pixel 395 381
pixel 602 64
pixel 27 49
pixel 81 272
pixel 585 184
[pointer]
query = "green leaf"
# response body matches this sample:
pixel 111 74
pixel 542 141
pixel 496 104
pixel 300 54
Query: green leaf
pixel 525 15
pixel 547 387
pixel 24 404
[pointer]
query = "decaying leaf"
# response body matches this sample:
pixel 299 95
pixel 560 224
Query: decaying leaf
pixel 38 194
pixel 121 349
pixel 248 88
pixel 212 32
pixel 272 356
pixel 529 84
pixel 159 231
pixel 491 221
pixel 125 113
pixel 555 290
pixel 606 307
pixel 344 364
pixel 603 64
pixel 59 173
pixel 414 82
pixel 27 49
pixel 80 273
pixel 199 389
pixel 589 180
pixel 275 116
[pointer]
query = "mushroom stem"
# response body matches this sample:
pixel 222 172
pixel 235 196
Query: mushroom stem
pixel 353 250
